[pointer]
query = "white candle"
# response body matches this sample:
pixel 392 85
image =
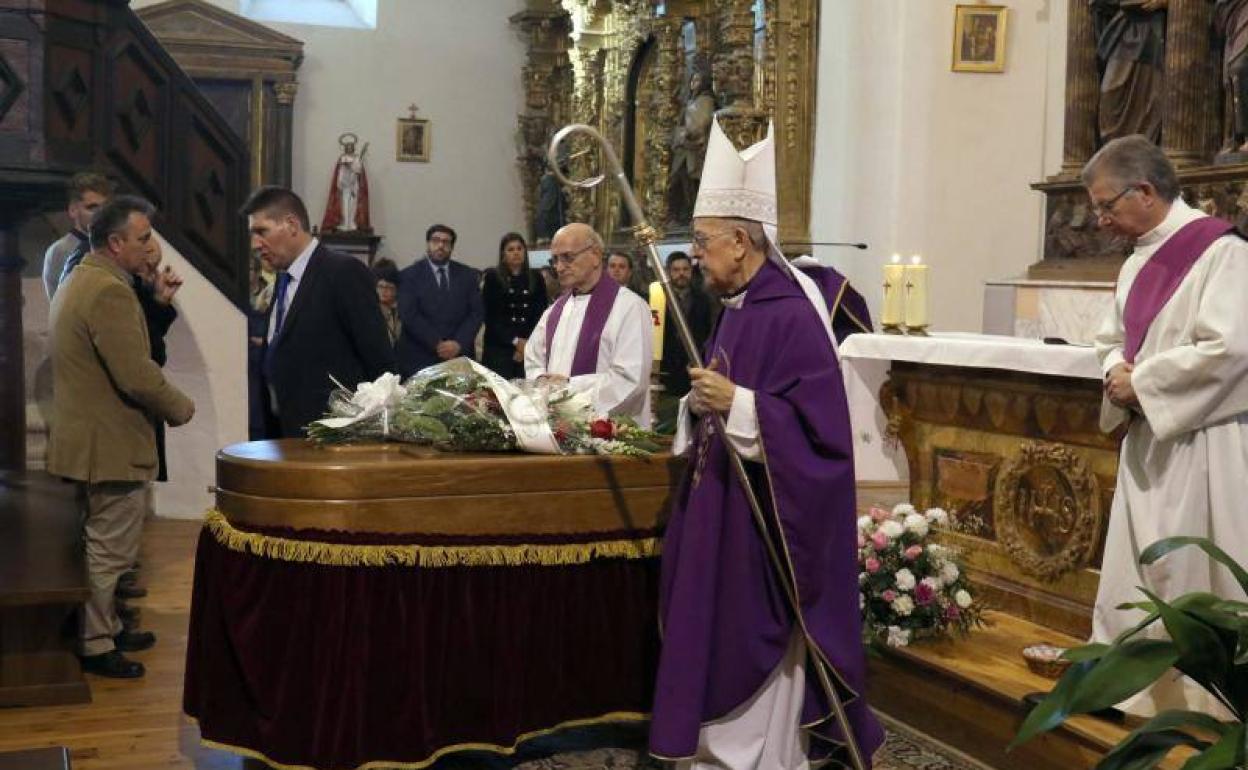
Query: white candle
pixel 658 312
pixel 894 293
pixel 916 293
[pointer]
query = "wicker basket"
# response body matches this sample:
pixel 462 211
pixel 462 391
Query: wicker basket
pixel 1046 659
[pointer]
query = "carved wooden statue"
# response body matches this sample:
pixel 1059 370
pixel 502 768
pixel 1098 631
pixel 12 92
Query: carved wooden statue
pixel 689 147
pixel 1130 53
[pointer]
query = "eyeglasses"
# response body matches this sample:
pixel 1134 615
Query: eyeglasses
pixel 568 257
pixel 701 241
pixel 1106 209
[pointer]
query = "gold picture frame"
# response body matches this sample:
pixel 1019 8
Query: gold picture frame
pixel 979 38
pixel 411 140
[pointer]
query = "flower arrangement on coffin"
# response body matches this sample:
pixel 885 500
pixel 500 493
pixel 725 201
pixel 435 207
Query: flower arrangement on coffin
pixel 461 406
pixel 910 588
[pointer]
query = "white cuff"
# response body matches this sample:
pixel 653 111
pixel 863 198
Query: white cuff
pixel 742 425
pixel 684 428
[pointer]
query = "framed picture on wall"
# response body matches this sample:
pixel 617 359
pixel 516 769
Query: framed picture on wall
pixel 979 38
pixel 412 140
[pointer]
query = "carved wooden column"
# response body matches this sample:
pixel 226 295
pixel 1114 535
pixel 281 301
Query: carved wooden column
pixel 285 97
pixel 794 111
pixel 669 68
pixel 12 366
pixel 732 70
pixel 1082 89
pixel 1190 80
pixel 586 108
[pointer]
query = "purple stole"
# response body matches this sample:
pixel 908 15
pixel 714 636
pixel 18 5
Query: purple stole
pixel 1161 275
pixel 601 300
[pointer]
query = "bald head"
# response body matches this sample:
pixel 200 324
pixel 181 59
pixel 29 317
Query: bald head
pixel 576 251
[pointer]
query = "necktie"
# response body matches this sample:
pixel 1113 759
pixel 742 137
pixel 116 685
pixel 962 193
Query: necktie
pixel 279 297
pixel 442 277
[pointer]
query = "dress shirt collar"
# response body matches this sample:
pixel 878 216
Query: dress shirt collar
pixel 301 262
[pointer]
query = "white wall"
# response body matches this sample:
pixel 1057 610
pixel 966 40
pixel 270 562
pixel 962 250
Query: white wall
pixel 912 157
pixel 460 63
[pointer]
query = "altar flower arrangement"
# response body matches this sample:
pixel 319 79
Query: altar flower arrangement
pixel 910 588
pixel 462 406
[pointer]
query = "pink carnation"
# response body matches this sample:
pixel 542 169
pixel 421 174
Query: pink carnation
pixel 879 514
pixel 889 595
pixel 913 552
pixel 923 594
pixel 872 564
pixel 952 612
pixel 879 540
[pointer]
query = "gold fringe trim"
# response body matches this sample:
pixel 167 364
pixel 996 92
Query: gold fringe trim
pixel 614 717
pixel 347 555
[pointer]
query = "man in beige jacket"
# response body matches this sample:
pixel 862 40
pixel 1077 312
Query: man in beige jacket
pixel 106 394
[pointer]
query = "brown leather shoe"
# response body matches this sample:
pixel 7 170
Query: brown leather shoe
pixel 112 664
pixel 129 589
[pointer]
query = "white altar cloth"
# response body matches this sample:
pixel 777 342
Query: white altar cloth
pixel 866 358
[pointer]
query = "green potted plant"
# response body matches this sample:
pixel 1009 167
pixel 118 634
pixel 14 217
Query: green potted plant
pixel 1208 642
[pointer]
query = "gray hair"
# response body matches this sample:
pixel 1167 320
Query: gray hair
pixel 1133 160
pixel 758 236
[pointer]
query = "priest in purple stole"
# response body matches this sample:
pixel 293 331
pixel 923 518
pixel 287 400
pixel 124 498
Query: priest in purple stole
pixel 1174 351
pixel 594 337
pixel 737 685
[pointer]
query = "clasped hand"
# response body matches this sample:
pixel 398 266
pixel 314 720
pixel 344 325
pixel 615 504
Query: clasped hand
pixel 710 391
pixel 1118 387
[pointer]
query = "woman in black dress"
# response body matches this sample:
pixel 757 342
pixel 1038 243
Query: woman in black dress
pixel 514 296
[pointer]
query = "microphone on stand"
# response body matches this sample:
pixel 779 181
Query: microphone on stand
pixel 839 244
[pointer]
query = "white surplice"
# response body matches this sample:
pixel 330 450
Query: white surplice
pixel 1183 469
pixel 620 384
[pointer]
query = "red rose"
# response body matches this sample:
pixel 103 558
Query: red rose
pixel 602 429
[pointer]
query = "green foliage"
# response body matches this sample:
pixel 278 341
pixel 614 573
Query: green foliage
pixel 1208 642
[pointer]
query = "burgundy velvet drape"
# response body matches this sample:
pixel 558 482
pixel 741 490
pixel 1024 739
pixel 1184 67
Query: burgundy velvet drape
pixel 333 667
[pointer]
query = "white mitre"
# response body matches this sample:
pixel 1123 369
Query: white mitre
pixel 742 185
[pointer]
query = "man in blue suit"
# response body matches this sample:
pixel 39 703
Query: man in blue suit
pixel 439 305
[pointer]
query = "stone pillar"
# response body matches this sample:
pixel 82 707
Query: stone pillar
pixel 285 97
pixel 1190 81
pixel 12 365
pixel 1082 89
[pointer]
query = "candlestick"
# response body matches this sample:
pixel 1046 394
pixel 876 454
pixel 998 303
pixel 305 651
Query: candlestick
pixel 893 312
pixel 916 296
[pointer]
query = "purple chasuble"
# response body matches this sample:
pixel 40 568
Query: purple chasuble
pixel 849 310
pixel 1161 275
pixel 601 300
pixel 726 623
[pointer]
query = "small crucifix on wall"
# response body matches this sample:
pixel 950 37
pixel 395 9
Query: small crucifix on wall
pixel 412 138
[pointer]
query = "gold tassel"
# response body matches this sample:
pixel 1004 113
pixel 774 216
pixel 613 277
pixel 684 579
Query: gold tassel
pixel 346 555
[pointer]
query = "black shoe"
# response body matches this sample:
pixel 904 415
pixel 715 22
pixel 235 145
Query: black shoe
pixel 128 589
pixel 1110 714
pixel 134 641
pixel 129 616
pixel 112 664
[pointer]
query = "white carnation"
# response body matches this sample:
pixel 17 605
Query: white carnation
pixel 903 605
pixel 865 524
pixel 917 524
pixel 897 637
pixel 949 572
pixel 862 601
pixel 905 579
pixel 892 528
pixel 932 583
pixel 903 509
pixel 937 551
pixel 937 516
pixel 962 598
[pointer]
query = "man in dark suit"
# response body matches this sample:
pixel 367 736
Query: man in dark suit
pixel 439 305
pixel 323 320
pixel 674 368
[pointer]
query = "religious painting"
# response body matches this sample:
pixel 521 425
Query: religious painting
pixel 412 140
pixel 979 38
